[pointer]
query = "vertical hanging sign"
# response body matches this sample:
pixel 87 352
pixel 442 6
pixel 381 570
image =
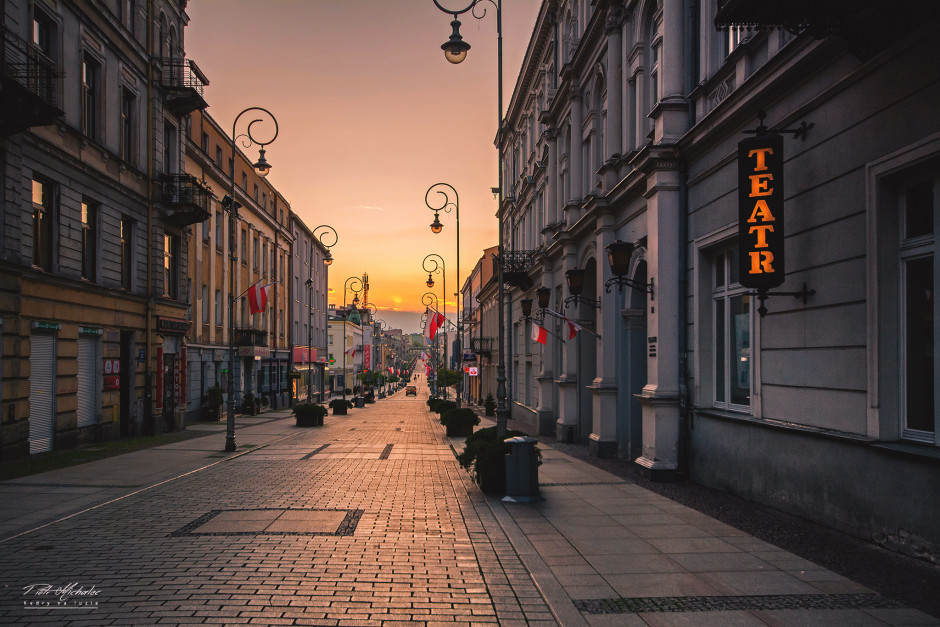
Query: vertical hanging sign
pixel 760 211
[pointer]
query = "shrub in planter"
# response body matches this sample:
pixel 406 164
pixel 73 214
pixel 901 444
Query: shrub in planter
pixel 309 414
pixel 340 406
pixel 249 404
pixel 485 456
pixel 489 405
pixel 212 403
pixel 460 422
pixel 432 403
pixel 444 406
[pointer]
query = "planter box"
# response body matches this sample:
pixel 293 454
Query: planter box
pixel 339 410
pixel 456 431
pixel 309 420
pixel 492 482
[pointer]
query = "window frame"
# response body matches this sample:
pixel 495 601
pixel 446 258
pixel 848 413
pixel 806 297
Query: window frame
pixel 44 216
pixel 90 88
pixel 126 236
pixel 127 124
pixel 90 211
pixel 170 266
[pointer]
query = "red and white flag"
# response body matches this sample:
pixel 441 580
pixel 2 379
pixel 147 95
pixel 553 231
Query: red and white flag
pixel 539 334
pixel 434 322
pixel 351 351
pixel 573 328
pixel 257 297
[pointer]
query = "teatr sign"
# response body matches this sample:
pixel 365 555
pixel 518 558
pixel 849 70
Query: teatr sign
pixel 760 211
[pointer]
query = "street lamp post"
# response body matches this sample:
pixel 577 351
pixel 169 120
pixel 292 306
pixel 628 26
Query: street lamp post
pixel 263 168
pixel 426 299
pixel 437 227
pixel 355 301
pixel 455 51
pixel 324 230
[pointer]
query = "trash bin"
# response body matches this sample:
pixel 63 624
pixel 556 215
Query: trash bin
pixel 522 471
pixel 360 402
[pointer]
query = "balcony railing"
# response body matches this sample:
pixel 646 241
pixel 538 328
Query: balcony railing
pixel 186 199
pixel 184 84
pixel 251 337
pixel 29 82
pixel 481 345
pixel 516 268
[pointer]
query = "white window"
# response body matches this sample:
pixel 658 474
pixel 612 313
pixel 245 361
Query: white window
pixel 732 322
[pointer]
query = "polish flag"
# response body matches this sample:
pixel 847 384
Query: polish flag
pixel 435 321
pixel 257 297
pixel 351 351
pixel 573 329
pixel 539 334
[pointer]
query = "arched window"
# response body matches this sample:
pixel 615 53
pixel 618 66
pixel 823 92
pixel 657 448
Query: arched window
pixel 162 35
pixel 172 47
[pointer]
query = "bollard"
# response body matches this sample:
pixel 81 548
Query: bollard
pixel 522 471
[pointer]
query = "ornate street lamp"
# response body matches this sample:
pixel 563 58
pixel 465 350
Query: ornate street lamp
pixel 263 168
pixel 355 290
pixel 446 206
pixel 321 233
pixel 455 50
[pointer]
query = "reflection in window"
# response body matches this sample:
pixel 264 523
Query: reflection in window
pixel 732 332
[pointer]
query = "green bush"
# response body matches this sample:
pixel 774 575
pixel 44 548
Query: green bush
pixel 489 405
pixel 310 409
pixel 444 406
pixel 432 403
pixel 485 456
pixel 340 402
pixel 460 418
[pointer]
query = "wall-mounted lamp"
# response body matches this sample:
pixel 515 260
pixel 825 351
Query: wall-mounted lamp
pixel 543 294
pixel 526 307
pixel 575 280
pixel 618 256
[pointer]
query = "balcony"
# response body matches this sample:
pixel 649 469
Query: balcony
pixel 516 268
pixel 184 84
pixel 29 82
pixel 251 337
pixel 482 345
pixel 185 198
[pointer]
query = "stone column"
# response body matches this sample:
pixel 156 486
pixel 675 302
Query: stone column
pixel 574 159
pixel 614 96
pixel 660 395
pixel 603 439
pixel 566 427
pixel 552 202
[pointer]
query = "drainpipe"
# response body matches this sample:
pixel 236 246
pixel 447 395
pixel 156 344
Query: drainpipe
pixel 686 409
pixel 150 420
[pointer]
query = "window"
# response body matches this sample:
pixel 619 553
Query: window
pixel 42 224
pixel 205 304
pixel 127 252
pixel 244 247
pixel 170 269
pixel 218 157
pixel 732 330
pixel 244 181
pixel 169 147
pixel 89 240
pixel 44 33
pixel 256 192
pixel 254 252
pixel 91 78
pixel 128 106
pixel 205 231
pixel 205 145
pixel 218 307
pixel 919 215
pixel 218 229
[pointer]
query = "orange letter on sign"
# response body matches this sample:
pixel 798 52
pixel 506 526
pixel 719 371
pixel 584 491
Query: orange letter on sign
pixel 760 184
pixel 762 211
pixel 761 157
pixel 761 234
pixel 760 262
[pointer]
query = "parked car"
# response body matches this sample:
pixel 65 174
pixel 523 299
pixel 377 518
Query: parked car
pixel 411 390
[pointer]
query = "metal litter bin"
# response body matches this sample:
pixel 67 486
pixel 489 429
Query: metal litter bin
pixel 522 471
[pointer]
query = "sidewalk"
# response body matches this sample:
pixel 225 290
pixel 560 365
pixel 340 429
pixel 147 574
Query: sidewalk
pixel 370 521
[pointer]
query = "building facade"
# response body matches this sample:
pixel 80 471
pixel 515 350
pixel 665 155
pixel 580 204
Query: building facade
pixel 259 253
pixel 479 337
pixel 95 214
pixel 308 283
pixel 623 134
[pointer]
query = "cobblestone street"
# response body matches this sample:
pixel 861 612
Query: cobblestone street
pixel 369 520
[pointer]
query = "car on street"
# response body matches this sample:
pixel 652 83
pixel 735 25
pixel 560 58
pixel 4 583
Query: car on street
pixel 411 390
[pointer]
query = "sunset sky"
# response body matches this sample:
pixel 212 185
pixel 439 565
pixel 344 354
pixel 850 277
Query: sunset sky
pixel 370 116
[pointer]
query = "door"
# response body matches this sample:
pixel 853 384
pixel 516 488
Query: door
pixel 41 393
pixel 87 381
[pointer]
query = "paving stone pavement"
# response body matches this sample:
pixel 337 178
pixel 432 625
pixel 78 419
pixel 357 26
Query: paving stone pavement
pixel 370 521
pixel 423 547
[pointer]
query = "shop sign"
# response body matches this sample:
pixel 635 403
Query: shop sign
pixel 172 325
pixel 112 366
pixel 760 211
pixel 254 351
pixel 112 382
pixel 469 356
pixel 473 371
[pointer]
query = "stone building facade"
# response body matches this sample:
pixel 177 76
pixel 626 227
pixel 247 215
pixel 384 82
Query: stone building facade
pixel 94 212
pixel 623 129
